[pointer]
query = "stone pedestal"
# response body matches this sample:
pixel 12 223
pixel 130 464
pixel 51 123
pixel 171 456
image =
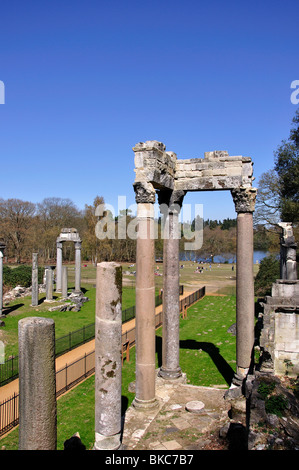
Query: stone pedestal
pixel 145 299
pixel 108 357
pixel 37 405
pixel 34 293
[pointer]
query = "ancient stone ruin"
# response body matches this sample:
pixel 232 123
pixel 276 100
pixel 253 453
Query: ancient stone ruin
pixel 69 234
pixel 160 172
pixel 280 320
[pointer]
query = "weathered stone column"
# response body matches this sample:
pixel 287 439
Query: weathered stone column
pixel 170 206
pixel 49 284
pixel 77 267
pixel 108 357
pixel 37 386
pixel 64 282
pixel 58 266
pixel 34 281
pixel 2 248
pixel 145 298
pixel 244 199
pixel 288 248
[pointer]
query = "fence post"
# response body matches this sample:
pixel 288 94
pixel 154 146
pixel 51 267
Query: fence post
pixel 65 377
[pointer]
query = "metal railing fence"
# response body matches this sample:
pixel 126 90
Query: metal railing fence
pixel 75 372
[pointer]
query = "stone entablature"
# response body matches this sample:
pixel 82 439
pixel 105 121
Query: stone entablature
pixel 217 170
pixel 68 234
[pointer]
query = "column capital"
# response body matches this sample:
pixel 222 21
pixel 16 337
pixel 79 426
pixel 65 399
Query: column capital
pixel 78 245
pixel 59 244
pixel 144 192
pixel 173 199
pixel 244 199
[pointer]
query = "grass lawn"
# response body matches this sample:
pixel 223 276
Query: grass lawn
pixel 207 356
pixel 64 321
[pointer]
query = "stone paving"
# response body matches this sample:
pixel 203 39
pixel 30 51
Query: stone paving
pixel 186 418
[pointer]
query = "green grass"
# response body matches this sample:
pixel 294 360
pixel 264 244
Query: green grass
pixel 207 350
pixel 64 321
pixel 207 356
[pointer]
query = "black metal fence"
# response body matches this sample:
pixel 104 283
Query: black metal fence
pixel 9 370
pixel 75 372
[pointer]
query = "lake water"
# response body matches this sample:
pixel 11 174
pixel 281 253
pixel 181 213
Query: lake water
pixel 230 258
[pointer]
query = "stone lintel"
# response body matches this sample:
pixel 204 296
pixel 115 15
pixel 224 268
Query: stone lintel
pixel 162 169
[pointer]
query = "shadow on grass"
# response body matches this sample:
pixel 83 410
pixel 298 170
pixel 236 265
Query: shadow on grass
pixel 8 310
pixel 223 367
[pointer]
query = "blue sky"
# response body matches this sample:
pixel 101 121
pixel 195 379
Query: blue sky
pixel 86 80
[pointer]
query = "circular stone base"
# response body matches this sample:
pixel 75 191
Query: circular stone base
pixel 144 404
pixel 195 406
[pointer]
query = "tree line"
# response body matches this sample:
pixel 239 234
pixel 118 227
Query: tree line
pixel 26 227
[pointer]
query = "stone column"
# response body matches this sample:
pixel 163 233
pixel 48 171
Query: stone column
pixel 34 281
pixel 288 249
pixel 170 206
pixel 108 357
pixel 64 282
pixel 2 248
pixel 77 267
pixel 244 199
pixel 37 386
pixel 59 266
pixel 145 298
pixel 49 284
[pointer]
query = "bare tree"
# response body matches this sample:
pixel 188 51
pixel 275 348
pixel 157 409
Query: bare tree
pixel 15 224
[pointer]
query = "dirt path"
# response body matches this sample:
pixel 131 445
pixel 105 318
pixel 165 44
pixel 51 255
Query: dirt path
pixel 13 387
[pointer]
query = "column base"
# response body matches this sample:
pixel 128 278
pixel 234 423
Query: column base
pixel 170 374
pixel 107 442
pixel 144 404
pixel 236 388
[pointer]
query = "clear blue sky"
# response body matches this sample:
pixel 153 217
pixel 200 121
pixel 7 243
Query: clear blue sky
pixel 86 80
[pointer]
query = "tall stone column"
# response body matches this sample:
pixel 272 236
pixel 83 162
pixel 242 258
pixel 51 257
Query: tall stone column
pixel 77 267
pixel 145 298
pixel 2 248
pixel 49 285
pixel 59 266
pixel 170 206
pixel 244 199
pixel 64 282
pixel 108 357
pixel 34 281
pixel 37 384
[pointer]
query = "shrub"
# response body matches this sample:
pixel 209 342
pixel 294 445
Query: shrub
pixel 276 404
pixel 21 275
pixel 265 389
pixel 268 273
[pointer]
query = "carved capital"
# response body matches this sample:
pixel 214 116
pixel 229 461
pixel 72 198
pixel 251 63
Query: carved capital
pixel 244 199
pixel 144 193
pixel 59 245
pixel 173 199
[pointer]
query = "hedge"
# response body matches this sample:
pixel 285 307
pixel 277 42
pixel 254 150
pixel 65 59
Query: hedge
pixel 20 276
